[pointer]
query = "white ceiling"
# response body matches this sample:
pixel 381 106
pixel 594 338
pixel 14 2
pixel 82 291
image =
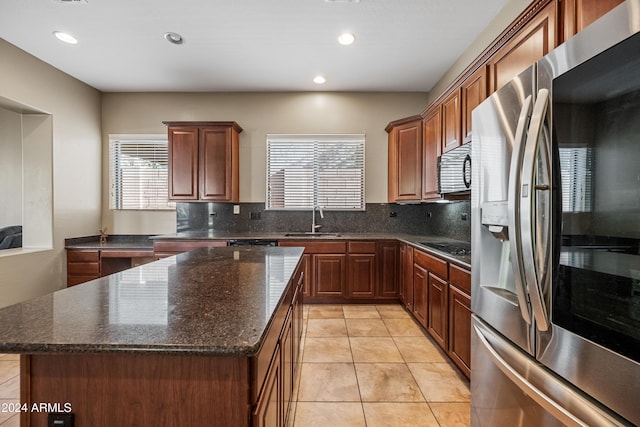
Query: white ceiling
pixel 249 45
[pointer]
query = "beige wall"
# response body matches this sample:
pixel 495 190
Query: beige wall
pixel 258 114
pixel 71 121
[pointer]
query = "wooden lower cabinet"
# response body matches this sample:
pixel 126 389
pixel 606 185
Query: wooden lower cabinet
pixel 286 362
pixel 460 329
pixel 438 310
pixel 354 270
pixel 420 288
pixel 361 275
pixel 329 272
pixel 388 260
pixel 268 410
pixel 437 293
pixel 273 406
pixel 406 276
pixel 82 266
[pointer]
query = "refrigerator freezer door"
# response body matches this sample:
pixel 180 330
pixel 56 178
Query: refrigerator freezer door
pixel 498 295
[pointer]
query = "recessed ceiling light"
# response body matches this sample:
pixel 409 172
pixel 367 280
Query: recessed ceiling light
pixel 319 80
pixel 174 38
pixel 67 38
pixel 346 38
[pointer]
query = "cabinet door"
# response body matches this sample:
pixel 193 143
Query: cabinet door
pixel 287 357
pixel 431 149
pixel 361 275
pixel 268 410
pixel 460 329
pixel 183 163
pixel 451 128
pixel 329 274
pixel 82 266
pixel 216 164
pixel 420 289
pixel 405 162
pixel 407 277
pixel 307 286
pixel 438 310
pixel 388 268
pixel 531 43
pixel 578 14
pixel 474 91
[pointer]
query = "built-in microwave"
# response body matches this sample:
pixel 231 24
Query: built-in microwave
pixel 454 170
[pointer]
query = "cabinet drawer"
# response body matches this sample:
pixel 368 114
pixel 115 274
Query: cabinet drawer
pixel 323 247
pixel 83 268
pixel 83 256
pixel 431 263
pixel 460 277
pixel 73 280
pixel 362 247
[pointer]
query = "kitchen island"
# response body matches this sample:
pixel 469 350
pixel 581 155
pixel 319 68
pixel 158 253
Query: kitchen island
pixel 209 337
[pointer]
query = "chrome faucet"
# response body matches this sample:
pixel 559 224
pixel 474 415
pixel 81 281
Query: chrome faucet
pixel 314 226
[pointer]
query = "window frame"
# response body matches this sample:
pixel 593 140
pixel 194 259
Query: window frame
pixel 309 139
pixel 133 138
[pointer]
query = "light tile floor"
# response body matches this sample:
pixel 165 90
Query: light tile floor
pixel 372 365
pixel 362 365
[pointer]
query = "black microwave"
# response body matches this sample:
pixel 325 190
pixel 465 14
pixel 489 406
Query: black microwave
pixel 454 170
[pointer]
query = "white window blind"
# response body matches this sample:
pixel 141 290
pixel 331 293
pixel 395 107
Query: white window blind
pixel 576 165
pixel 139 173
pixel 304 171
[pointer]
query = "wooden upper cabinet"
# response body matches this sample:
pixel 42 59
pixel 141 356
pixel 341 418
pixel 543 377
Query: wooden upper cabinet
pixel 431 149
pixel 183 163
pixel 474 91
pixel 451 128
pixel 537 38
pixel 578 14
pixel 204 161
pixel 405 160
pixel 219 164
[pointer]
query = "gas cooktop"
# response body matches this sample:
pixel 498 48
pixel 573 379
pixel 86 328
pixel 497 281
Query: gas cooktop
pixel 458 248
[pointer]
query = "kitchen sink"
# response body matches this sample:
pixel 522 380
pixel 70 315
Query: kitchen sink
pixel 310 234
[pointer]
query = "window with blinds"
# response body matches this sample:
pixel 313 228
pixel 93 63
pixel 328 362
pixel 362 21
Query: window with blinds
pixel 304 171
pixel 576 166
pixel 139 173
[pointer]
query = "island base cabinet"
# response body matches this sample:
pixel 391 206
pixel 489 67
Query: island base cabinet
pixel 268 410
pixel 105 390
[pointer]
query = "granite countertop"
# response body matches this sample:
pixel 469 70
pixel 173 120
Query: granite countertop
pixel 414 240
pixel 146 242
pixel 129 242
pixel 216 301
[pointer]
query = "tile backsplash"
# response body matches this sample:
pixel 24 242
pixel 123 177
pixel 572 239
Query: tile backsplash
pixel 441 219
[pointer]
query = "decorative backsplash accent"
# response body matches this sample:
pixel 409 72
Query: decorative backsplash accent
pixel 441 219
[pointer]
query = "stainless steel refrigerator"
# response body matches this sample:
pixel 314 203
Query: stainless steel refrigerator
pixel 555 205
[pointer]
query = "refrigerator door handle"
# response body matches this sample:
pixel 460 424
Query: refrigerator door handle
pixel 513 210
pixel 534 279
pixel 586 414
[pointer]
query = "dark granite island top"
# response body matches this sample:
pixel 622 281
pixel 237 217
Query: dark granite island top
pixel 209 337
pixel 209 301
